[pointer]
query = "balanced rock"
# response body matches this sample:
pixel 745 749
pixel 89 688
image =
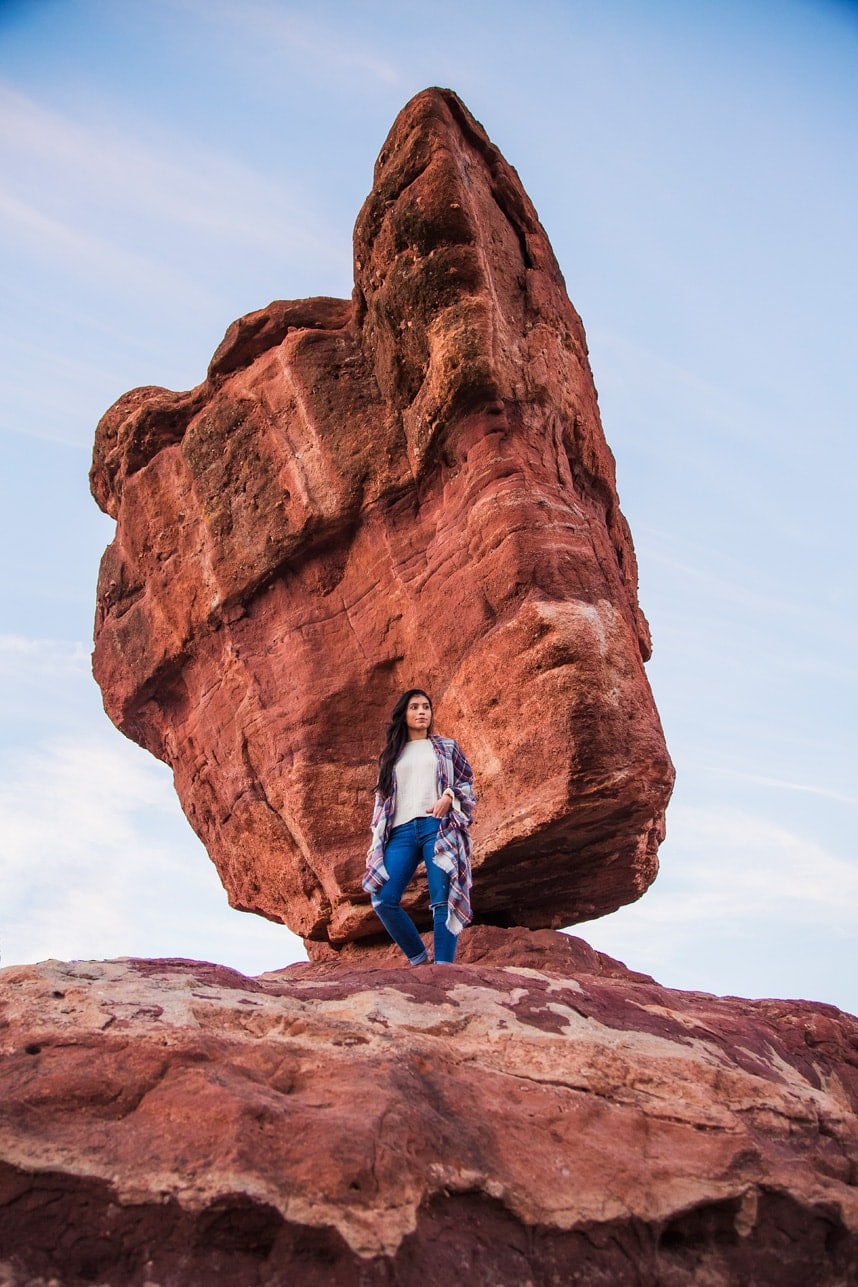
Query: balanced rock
pixel 536 1116
pixel 411 487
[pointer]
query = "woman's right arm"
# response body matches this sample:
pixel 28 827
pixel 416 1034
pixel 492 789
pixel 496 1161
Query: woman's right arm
pixel 377 811
pixel 463 785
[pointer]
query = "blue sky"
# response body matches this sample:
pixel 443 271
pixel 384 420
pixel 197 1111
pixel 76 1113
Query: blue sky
pixel 169 166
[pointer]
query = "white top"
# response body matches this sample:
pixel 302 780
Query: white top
pixel 416 772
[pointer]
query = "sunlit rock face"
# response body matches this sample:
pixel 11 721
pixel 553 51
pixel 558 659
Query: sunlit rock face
pixel 410 487
pixel 535 1114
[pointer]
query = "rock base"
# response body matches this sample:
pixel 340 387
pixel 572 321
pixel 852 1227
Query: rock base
pixel 538 1115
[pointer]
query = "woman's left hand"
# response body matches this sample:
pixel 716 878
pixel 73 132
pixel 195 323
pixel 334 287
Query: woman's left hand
pixel 441 807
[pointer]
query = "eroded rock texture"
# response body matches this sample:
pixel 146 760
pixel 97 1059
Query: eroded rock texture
pixel 412 487
pixel 536 1116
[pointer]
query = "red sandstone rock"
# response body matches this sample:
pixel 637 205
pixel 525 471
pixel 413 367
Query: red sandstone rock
pixel 411 487
pixel 541 1116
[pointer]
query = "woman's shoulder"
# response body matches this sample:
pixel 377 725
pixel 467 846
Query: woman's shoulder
pixel 448 743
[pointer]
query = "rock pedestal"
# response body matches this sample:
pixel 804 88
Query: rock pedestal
pixel 534 1115
pixel 411 487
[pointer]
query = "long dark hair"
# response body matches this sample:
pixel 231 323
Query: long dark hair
pixel 397 736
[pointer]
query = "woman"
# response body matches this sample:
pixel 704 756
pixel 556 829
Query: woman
pixel 424 802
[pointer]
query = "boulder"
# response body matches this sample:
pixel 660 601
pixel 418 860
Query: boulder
pixel 408 488
pixel 535 1115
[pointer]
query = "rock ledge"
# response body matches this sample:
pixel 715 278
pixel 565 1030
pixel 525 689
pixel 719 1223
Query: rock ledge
pixel 537 1114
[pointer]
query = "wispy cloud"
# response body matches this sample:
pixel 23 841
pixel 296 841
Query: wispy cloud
pixel 293 37
pixel 743 904
pixel 44 684
pixel 803 788
pixel 43 656
pixel 96 863
pixel 65 407
pixel 748 865
pixel 88 189
pixel 657 382
pixel 740 603
pixel 84 252
pixel 96 858
pixel 132 247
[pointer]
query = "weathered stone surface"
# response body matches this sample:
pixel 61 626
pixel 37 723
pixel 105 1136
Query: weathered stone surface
pixel 540 1116
pixel 411 487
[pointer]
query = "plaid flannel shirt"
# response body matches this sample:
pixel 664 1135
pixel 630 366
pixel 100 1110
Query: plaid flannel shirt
pixel 453 844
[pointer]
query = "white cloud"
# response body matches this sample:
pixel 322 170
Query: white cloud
pixel 44 657
pixel 743 866
pixel 46 687
pixel 745 905
pixel 97 862
pixel 96 859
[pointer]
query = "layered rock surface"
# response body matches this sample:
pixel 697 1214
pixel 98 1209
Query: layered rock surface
pixel 411 487
pixel 534 1115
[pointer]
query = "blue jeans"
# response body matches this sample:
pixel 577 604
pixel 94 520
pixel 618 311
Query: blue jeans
pixel 406 847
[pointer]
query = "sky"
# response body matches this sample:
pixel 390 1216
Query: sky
pixel 166 167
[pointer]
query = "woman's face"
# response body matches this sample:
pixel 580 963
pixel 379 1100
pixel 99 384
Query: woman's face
pixel 418 716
